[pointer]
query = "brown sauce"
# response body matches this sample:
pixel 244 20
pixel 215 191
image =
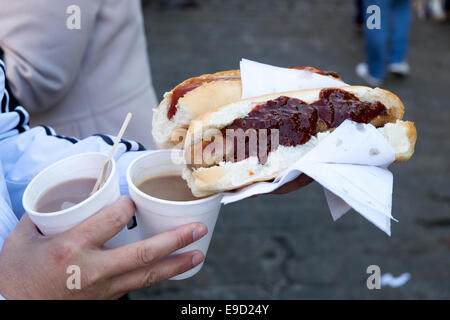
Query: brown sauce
pixel 180 91
pixel 318 71
pixel 193 83
pixel 297 121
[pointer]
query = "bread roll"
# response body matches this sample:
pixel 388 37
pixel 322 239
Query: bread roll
pixel 194 97
pixel 223 175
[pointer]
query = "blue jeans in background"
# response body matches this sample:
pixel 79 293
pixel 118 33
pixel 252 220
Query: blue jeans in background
pixel 390 43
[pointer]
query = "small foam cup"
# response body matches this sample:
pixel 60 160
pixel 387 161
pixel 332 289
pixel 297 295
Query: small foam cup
pixel 85 165
pixel 155 215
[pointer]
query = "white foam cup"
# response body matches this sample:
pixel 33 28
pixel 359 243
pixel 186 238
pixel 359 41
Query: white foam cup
pixel 85 165
pixel 155 215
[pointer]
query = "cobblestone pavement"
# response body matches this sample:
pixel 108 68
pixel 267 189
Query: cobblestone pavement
pixel 275 247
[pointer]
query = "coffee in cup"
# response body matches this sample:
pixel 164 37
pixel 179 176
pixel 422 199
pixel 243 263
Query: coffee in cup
pixel 169 186
pixel 59 182
pixel 65 195
pixel 160 208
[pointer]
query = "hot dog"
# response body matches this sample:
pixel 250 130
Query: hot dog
pixel 301 119
pixel 196 96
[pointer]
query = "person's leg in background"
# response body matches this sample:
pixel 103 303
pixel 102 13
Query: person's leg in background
pixel 359 17
pixel 374 70
pixel 400 22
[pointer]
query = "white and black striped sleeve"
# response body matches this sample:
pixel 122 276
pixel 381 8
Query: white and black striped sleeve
pixel 14 118
pixel 26 151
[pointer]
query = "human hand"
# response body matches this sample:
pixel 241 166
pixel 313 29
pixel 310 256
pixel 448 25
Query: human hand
pixel 301 181
pixel 33 266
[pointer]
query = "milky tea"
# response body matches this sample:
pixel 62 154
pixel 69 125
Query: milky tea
pixel 169 186
pixel 65 195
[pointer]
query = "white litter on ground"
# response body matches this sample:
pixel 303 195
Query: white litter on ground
pixel 388 279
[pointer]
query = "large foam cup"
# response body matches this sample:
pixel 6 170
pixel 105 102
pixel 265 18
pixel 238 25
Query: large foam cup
pixel 155 215
pixel 85 165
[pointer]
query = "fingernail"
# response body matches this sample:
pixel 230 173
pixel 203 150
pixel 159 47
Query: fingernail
pixel 199 232
pixel 197 259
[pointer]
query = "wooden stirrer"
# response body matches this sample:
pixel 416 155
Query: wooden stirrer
pixel 100 179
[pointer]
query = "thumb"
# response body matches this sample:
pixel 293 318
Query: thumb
pixel 105 224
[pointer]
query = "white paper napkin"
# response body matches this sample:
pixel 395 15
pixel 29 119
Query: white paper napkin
pixel 350 163
pixel 259 79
